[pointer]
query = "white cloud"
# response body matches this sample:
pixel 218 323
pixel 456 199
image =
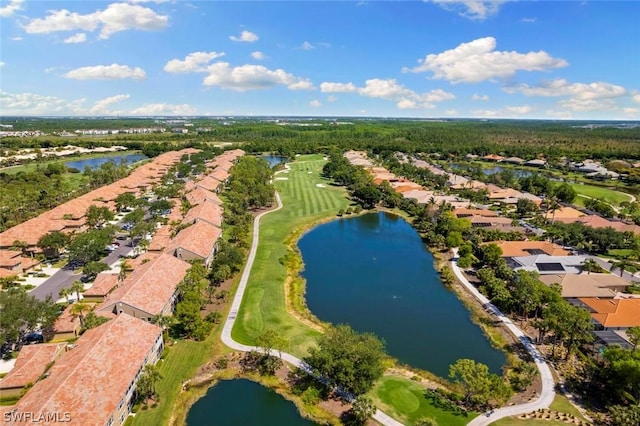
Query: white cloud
pixel 148 1
pixel 478 60
pixel 257 55
pixel 561 87
pixel 519 110
pixel 76 38
pixel 477 97
pixel 251 77
pixel 101 106
pixel 115 18
pixel 193 62
pixel 332 98
pixel 164 109
pixel 562 115
pixel 17 38
pixel 636 98
pixel 485 113
pixel 11 8
pixel 33 104
pixel 529 20
pixel 576 104
pixel 106 72
pixel 405 98
pixel 328 87
pixel 315 103
pixel 634 112
pixel 472 9
pixel 2 64
pixel 245 36
pixel 307 46
pixel 451 112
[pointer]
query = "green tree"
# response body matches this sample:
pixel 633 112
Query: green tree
pixel 146 386
pixel 89 245
pixel 91 320
pixel 474 378
pixel 53 242
pixel 125 201
pixel 363 409
pixel 348 360
pixel 77 287
pixel 22 312
pixel 78 310
pixel 269 340
pixel 97 216
pixel 94 268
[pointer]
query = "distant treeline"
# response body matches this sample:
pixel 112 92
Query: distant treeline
pixel 525 139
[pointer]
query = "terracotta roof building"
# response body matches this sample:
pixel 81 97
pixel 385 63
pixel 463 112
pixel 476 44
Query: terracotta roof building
pixel 67 325
pixel 102 285
pixel 197 242
pixel 208 183
pixel 200 195
pixel 207 211
pixel 613 314
pixel 94 382
pixel 149 290
pixel 31 363
pixel 529 248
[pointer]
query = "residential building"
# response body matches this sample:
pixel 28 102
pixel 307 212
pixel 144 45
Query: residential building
pixel 103 285
pixel 197 242
pixel 613 314
pixel 94 381
pixel 150 290
pixel 529 248
pixel 544 264
pixel 587 284
pixel 32 362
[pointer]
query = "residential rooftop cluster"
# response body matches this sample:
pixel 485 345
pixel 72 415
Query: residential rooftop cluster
pixel 94 379
pixel 603 294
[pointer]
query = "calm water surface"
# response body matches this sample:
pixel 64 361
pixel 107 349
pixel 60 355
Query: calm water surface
pixel 246 403
pixel 94 163
pixel 374 273
pixel 273 160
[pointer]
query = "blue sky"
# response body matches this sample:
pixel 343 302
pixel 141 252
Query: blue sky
pixel 441 58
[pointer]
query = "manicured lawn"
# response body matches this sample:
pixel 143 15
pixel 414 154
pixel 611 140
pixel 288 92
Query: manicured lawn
pixel 560 404
pixel 180 364
pixel 404 400
pixel 304 203
pixel 605 194
pixel 620 253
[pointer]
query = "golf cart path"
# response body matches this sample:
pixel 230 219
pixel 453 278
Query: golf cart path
pixel 548 392
pixel 381 417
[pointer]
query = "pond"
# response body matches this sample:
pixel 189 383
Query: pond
pixel 94 163
pixel 243 402
pixel 374 273
pixel 273 160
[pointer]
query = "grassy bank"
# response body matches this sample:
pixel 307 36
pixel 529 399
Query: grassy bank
pixel 404 400
pixel 560 405
pixel 308 198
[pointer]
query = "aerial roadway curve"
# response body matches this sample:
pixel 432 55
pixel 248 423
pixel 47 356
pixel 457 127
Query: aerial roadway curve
pixel 548 384
pixel 379 416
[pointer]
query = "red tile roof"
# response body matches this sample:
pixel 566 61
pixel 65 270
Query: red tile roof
pixel 30 364
pixel 208 183
pixel 67 322
pixel 198 238
pixel 90 380
pixel 199 195
pixel 102 285
pixel 150 286
pixel 207 211
pixel 614 312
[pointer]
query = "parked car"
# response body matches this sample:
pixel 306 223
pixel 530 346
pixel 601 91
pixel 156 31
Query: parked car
pixel 33 338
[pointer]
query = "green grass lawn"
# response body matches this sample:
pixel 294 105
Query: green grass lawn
pixel 560 404
pixel 304 203
pixel 608 195
pixel 404 400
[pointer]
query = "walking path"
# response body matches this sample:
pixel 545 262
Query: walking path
pixel 548 385
pixel 381 417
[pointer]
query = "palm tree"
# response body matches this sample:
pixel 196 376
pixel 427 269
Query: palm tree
pixel 65 292
pixel 147 382
pixel 590 265
pixel 552 206
pixel 623 265
pixel 164 321
pixel 79 309
pixel 78 288
pixel 124 267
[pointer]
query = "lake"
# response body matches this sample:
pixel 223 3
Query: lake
pixel 273 160
pixel 243 402
pixel 374 273
pixel 94 163
pixel 519 173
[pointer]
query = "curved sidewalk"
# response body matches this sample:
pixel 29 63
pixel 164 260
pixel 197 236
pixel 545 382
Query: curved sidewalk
pixel 548 392
pixel 379 416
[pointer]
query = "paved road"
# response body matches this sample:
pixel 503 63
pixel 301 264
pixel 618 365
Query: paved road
pixel 548 384
pixel 606 265
pixel 64 278
pixel 237 301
